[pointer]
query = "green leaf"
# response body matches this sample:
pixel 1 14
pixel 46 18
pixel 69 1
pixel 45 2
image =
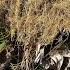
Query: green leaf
pixel 2 45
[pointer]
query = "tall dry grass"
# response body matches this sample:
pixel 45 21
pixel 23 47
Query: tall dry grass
pixel 36 21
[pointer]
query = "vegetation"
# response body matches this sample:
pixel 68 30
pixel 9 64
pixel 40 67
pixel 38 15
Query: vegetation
pixel 24 24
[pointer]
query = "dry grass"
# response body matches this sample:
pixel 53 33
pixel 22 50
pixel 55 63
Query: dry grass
pixel 36 21
pixel 45 18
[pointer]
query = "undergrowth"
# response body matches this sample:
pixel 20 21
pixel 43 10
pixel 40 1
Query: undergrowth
pixel 24 23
